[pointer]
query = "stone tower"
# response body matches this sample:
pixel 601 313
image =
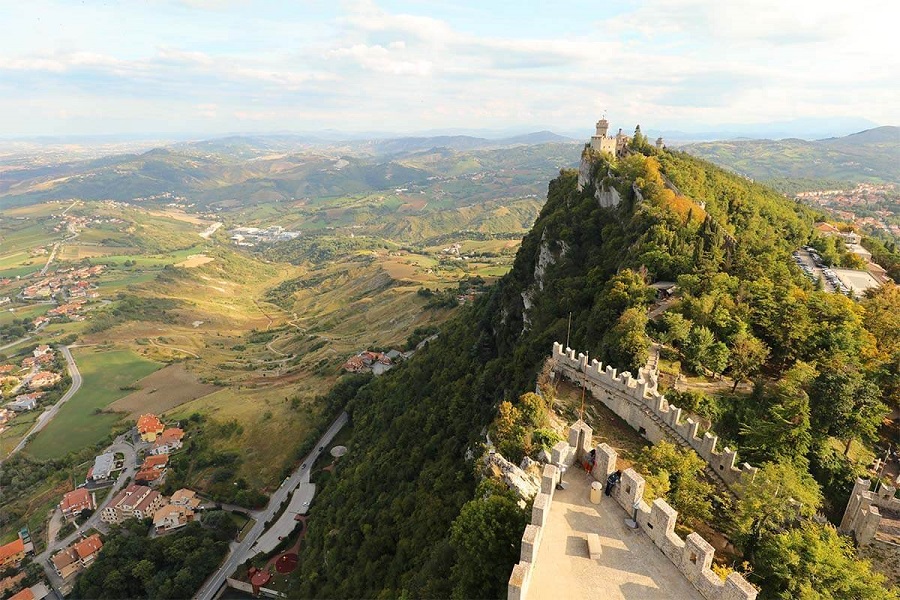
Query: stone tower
pixel 601 142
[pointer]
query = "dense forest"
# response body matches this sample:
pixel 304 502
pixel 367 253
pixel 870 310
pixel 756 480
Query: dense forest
pixel 173 566
pixel 405 515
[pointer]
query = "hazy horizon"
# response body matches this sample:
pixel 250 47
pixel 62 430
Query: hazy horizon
pixel 209 68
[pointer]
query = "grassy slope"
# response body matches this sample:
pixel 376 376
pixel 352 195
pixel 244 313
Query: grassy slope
pixel 76 425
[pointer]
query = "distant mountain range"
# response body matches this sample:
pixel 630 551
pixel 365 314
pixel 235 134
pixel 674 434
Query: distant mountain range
pixel 872 155
pixel 253 169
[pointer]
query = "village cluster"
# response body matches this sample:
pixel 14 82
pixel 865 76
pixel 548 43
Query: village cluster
pixel 138 500
pixel 26 383
pixel 872 197
pixel 67 283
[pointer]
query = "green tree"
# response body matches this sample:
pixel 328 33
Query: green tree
pixel 677 475
pixel 533 409
pixel 485 538
pixel 782 431
pixel 777 494
pixel 845 404
pixel 697 347
pixel 677 328
pixel 627 343
pixel 717 358
pixel 813 562
pixel 748 354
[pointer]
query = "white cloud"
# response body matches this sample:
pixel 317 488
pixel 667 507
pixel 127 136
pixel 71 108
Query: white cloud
pixel 313 64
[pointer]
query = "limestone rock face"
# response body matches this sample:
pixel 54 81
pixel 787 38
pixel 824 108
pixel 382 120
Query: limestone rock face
pixel 525 485
pixel 607 196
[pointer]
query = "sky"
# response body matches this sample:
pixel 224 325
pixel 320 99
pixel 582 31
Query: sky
pixel 218 66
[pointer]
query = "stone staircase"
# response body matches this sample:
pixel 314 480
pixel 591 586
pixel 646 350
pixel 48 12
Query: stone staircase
pixel 675 438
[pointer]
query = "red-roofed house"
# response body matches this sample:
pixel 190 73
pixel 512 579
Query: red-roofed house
pixel 136 501
pixel 44 379
pixel 149 427
pixel 171 517
pixel 158 461
pixel 168 440
pixel 76 501
pixel 76 557
pixel 11 554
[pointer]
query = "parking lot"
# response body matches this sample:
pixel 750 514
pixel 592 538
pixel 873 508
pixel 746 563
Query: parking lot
pixel 811 264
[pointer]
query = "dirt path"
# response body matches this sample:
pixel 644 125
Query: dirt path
pixel 158 345
pixel 54 526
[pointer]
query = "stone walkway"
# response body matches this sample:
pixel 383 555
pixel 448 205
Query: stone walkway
pixel 631 567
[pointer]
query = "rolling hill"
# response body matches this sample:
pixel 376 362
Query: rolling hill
pixel 872 155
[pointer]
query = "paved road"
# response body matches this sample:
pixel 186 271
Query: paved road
pixel 128 471
pixel 240 552
pixel 48 415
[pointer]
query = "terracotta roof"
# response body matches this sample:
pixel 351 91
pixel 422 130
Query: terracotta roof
pixel 64 558
pixel 169 435
pixel 75 498
pixel 149 422
pixel 88 546
pixel 11 549
pixel 153 495
pixel 184 496
pixel 23 595
pixel 148 475
pixel 156 461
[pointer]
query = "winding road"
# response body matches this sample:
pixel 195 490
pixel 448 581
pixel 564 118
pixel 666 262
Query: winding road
pixel 120 445
pixel 241 551
pixel 48 415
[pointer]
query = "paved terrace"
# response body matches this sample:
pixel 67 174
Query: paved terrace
pixel 631 566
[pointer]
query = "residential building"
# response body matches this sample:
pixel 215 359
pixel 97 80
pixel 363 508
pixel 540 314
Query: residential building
pixel 65 563
pixel 11 554
pixel 76 501
pixel 148 476
pixel 156 461
pixel 168 440
pixel 38 591
pixel 41 350
pixel 76 557
pixel 88 549
pixel 149 427
pixel 103 466
pixel 185 497
pixel 135 501
pixel 43 379
pixel 23 404
pixel 172 516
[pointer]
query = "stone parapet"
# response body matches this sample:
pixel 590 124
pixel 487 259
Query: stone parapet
pixel 692 556
pixel 637 401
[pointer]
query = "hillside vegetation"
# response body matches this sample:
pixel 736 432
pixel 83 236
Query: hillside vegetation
pixel 404 516
pixel 868 156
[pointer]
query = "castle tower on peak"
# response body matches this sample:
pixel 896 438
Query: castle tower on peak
pixel 602 142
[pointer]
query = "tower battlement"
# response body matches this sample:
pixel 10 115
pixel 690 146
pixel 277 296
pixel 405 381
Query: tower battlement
pixel 638 401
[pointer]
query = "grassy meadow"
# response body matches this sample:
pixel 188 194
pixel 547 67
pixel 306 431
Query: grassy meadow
pixel 78 423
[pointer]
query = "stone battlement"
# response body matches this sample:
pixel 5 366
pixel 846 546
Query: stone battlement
pixel 639 403
pixel 692 556
pixel 862 517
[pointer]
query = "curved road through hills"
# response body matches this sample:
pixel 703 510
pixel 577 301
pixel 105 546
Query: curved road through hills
pixel 241 551
pixel 48 415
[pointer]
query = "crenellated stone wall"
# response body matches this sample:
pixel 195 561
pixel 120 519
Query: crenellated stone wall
pixel 640 404
pixel 862 517
pixel 520 577
pixel 692 556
